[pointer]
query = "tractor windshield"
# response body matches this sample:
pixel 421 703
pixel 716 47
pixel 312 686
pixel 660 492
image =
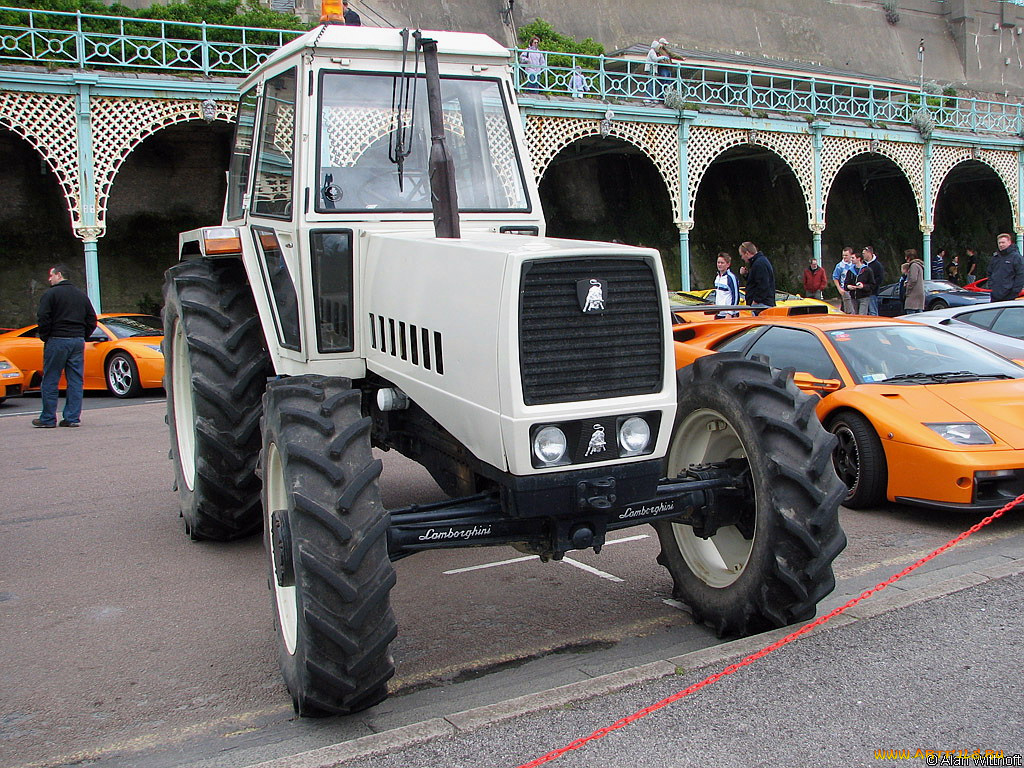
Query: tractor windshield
pixel 357 133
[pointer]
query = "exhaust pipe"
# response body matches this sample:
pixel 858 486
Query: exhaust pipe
pixel 444 198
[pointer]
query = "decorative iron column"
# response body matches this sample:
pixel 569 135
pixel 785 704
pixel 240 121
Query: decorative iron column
pixel 687 116
pixel 88 232
pixel 818 224
pixel 1019 224
pixel 927 214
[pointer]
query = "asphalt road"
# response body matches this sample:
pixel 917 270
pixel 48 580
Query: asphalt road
pixel 123 643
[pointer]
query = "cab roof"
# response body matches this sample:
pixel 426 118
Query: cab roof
pixel 336 39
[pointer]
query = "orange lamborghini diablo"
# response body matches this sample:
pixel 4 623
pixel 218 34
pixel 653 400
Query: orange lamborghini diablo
pixel 922 416
pixel 122 356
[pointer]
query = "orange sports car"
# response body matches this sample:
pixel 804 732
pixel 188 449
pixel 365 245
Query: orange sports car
pixel 922 417
pixel 11 379
pixel 122 356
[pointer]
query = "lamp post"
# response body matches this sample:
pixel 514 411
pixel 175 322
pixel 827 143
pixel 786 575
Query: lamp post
pixel 920 58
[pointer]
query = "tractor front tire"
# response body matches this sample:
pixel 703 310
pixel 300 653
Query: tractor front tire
pixel 326 539
pixel 772 567
pixel 215 371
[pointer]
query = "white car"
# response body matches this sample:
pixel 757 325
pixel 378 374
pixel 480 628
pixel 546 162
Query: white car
pixel 998 326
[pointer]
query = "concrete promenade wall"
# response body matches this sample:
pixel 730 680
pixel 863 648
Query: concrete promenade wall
pixel 967 42
pixel 973 45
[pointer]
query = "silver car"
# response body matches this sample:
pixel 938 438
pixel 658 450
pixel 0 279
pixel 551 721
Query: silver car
pixel 998 326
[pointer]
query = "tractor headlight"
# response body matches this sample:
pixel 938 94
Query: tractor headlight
pixel 549 445
pixel 634 436
pixel 961 433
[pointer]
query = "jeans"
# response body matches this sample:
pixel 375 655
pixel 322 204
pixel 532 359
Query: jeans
pixel 67 356
pixel 873 304
pixel 863 306
pixel 849 306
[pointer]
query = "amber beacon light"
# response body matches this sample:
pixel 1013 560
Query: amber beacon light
pixel 332 12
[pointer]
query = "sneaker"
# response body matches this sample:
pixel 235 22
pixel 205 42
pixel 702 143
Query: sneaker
pixel 66 423
pixel 42 424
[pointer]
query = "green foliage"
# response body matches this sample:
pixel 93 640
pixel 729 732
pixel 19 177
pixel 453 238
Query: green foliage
pixel 238 13
pixel 550 40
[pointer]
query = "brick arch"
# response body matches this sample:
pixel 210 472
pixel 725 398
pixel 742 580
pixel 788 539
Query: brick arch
pixel 836 152
pixel 47 122
pixel 547 136
pixel 707 144
pixel 1003 163
pixel 121 124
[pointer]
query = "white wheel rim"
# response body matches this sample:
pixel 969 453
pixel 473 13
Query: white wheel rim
pixel 707 436
pixel 184 406
pixel 119 374
pixel 284 597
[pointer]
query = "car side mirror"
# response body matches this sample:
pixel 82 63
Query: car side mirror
pixel 98 336
pixel 815 385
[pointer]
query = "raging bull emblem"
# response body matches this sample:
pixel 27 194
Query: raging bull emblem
pixel 597 443
pixel 592 295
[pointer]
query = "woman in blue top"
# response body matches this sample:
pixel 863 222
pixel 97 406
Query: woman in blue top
pixel 727 289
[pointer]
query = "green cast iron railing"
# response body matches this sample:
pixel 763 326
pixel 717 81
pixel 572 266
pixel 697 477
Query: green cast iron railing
pixel 90 41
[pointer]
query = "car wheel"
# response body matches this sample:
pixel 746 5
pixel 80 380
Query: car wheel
pixel 859 460
pixel 123 376
pixel 937 304
pixel 215 371
pixel 326 540
pixel 771 567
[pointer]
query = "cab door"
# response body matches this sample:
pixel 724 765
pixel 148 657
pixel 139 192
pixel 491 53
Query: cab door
pixel 272 217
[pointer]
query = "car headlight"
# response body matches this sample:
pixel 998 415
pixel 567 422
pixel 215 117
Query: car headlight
pixel 4 365
pixel 634 436
pixel 961 433
pixel 155 348
pixel 549 445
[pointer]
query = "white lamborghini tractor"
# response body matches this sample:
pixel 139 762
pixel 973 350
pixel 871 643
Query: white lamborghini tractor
pixel 381 279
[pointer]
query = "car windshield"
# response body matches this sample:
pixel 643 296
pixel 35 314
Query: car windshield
pixel 133 325
pixel 916 355
pixel 358 139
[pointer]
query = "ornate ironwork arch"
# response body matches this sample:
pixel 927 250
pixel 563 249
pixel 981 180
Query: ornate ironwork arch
pixel 547 136
pixel 837 151
pixel 706 144
pixel 47 122
pixel 1003 162
pixel 120 124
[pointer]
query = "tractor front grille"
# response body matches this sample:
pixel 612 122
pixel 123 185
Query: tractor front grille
pixel 569 355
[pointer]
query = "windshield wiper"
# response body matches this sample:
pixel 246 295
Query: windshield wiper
pixel 947 376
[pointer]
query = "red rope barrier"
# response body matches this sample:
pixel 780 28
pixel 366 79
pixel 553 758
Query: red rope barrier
pixel 602 732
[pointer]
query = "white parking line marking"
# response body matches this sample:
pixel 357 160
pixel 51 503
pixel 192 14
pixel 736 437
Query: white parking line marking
pixel 679 606
pixel 490 565
pixel 596 572
pixel 589 569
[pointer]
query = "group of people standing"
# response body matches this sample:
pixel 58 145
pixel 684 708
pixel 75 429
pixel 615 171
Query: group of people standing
pixel 858 276
pixel 760 275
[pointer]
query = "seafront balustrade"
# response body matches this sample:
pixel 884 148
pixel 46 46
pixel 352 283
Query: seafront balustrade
pixel 89 41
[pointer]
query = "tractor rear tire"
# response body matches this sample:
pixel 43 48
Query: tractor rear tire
pixel 326 540
pixel 773 567
pixel 215 371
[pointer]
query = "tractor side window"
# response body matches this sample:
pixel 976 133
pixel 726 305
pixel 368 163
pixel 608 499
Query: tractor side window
pixel 241 152
pixel 792 348
pixel 280 286
pixel 273 194
pixel 332 289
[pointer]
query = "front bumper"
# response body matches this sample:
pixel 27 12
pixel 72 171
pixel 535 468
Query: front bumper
pixel 945 480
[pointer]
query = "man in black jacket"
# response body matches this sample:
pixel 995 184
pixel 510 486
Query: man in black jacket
pixel 1006 270
pixel 66 318
pixel 877 272
pixel 760 288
